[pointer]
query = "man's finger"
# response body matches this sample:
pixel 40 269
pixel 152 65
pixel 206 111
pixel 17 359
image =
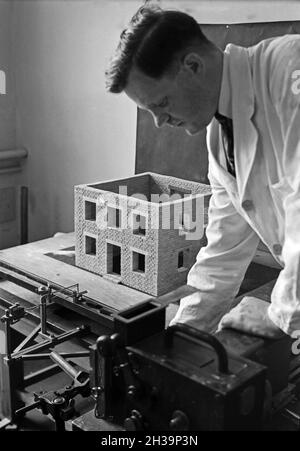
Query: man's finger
pixel 226 321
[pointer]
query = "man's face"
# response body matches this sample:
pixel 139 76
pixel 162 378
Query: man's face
pixel 181 99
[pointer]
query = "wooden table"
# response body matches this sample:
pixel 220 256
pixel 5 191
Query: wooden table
pixel 51 261
pixel 44 260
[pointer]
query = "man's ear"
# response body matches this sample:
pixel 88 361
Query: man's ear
pixel 193 63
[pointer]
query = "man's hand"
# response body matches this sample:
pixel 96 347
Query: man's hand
pixel 251 316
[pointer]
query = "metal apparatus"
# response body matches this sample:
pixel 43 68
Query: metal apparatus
pixel 60 403
pixel 148 378
pixel 12 363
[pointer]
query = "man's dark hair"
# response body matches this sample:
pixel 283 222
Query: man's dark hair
pixel 151 42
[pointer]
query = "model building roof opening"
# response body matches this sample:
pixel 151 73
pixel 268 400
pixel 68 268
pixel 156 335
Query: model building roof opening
pixel 152 187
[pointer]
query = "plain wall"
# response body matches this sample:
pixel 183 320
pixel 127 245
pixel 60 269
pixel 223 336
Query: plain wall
pixel 74 131
pixel 9 228
pixel 7 101
pixel 237 11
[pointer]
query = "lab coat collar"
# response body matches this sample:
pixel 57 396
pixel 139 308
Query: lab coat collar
pixel 238 71
pixel 236 101
pixel 225 106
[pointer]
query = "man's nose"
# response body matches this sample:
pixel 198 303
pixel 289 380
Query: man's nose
pixel 160 119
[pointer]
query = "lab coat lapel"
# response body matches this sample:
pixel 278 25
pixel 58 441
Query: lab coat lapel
pixel 245 134
pixel 213 143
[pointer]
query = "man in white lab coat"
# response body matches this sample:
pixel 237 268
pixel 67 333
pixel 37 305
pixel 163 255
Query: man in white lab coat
pixel 169 68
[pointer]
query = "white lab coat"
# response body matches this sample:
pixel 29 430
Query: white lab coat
pixel 261 93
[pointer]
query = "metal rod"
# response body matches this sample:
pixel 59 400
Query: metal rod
pixel 39 375
pixel 26 409
pixel 8 349
pixel 24 215
pixel 63 364
pixel 75 354
pixel 28 339
pixel 13 154
pixel 66 355
pixel 43 313
pixel 59 424
pixel 30 281
pixel 51 342
pixel 5 422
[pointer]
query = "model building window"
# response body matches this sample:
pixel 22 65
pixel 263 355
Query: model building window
pixel 180 259
pixel 90 245
pixel 138 262
pixel 181 220
pixel 113 217
pixel 183 259
pixel 90 210
pixel 113 259
pixel 184 222
pixel 139 224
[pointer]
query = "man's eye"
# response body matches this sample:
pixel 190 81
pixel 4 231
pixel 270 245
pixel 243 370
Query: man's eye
pixel 163 103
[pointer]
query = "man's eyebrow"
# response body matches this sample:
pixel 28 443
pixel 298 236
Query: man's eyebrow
pixel 152 105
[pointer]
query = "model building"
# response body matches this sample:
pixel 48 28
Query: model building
pixel 144 231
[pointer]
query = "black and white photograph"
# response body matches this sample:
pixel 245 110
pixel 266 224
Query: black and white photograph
pixel 149 219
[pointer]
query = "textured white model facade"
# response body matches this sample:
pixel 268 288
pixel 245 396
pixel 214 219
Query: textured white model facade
pixel 144 231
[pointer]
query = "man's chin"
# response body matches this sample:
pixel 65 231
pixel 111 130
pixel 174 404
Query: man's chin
pixel 192 131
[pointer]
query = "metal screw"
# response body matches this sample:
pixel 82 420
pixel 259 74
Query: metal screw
pixel 59 400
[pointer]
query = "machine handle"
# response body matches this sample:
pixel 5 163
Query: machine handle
pixel 191 332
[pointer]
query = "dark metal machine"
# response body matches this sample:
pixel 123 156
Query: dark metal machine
pixel 147 378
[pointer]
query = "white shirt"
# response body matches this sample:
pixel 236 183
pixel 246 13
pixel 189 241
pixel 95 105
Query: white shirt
pixel 260 93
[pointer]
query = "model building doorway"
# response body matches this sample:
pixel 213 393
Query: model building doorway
pixel 113 259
